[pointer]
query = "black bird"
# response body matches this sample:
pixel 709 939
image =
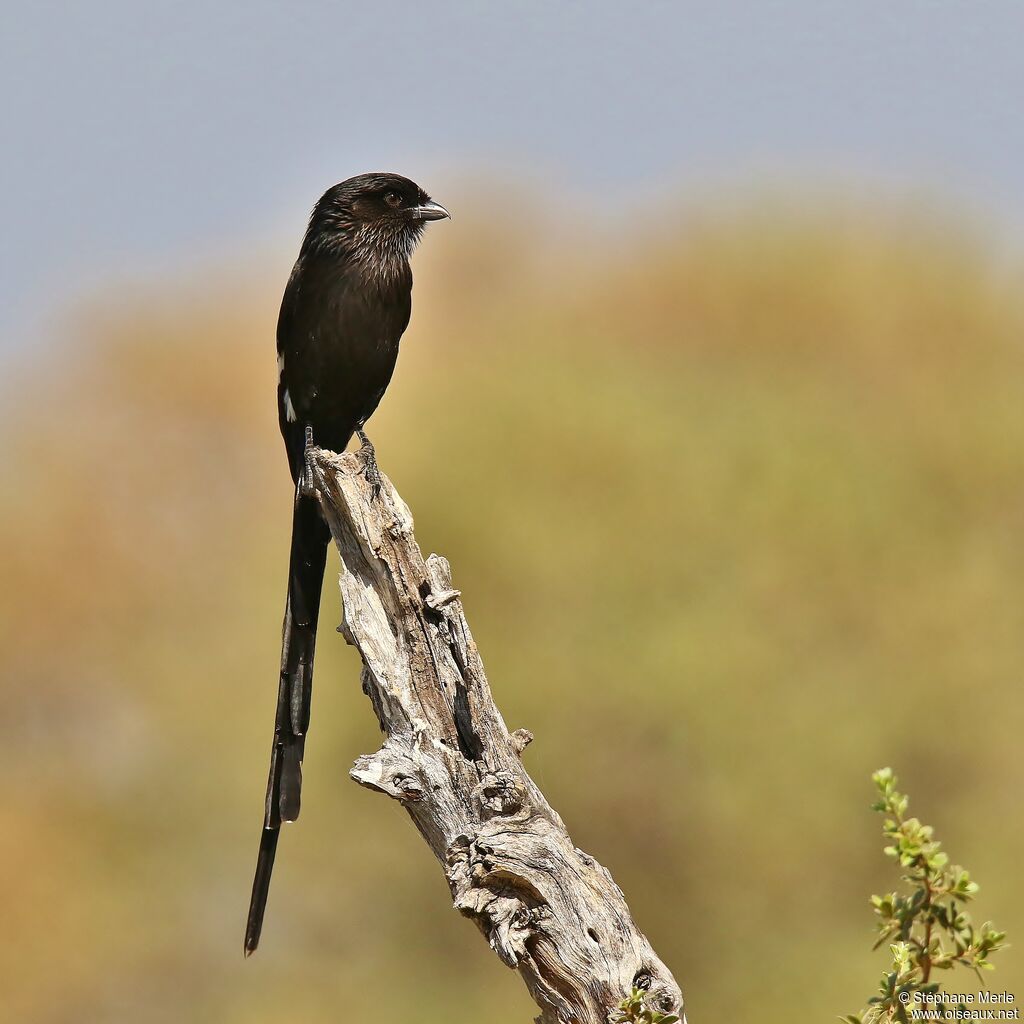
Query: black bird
pixel 345 307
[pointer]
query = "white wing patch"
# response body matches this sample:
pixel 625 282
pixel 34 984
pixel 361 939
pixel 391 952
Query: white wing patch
pixel 289 409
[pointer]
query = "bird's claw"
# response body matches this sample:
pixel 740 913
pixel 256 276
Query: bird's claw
pixel 369 454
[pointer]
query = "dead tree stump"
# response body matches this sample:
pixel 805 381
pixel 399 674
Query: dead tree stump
pixel 547 909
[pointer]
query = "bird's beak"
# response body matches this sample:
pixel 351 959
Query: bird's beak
pixel 429 211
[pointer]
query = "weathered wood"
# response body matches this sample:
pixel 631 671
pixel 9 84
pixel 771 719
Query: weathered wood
pixel 547 909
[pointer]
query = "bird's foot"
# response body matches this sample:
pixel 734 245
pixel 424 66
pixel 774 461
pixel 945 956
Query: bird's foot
pixel 369 454
pixel 306 485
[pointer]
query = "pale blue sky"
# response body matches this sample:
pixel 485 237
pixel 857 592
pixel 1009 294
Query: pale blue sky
pixel 147 136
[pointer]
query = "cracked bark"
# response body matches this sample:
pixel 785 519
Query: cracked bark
pixel 547 909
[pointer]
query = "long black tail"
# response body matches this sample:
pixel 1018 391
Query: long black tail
pixel 310 537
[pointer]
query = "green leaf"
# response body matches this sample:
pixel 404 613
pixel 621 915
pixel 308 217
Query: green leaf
pixel 932 928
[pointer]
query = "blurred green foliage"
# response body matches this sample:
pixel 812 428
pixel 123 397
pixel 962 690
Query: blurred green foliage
pixel 736 505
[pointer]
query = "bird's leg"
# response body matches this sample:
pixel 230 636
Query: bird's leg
pixel 367 451
pixel 306 482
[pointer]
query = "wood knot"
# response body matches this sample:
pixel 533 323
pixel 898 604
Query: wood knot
pixel 392 772
pixel 406 787
pixel 498 794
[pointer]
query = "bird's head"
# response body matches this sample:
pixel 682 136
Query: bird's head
pixel 376 219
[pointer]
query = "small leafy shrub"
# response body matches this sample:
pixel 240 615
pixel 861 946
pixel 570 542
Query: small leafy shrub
pixel 635 1010
pixel 927 928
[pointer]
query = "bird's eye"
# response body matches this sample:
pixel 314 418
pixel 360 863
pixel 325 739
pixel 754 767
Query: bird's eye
pixel 393 199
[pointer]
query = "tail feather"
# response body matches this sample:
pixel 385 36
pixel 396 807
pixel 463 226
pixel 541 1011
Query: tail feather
pixel 310 537
pixel 260 888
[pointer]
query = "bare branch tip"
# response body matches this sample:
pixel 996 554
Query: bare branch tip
pixel 521 739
